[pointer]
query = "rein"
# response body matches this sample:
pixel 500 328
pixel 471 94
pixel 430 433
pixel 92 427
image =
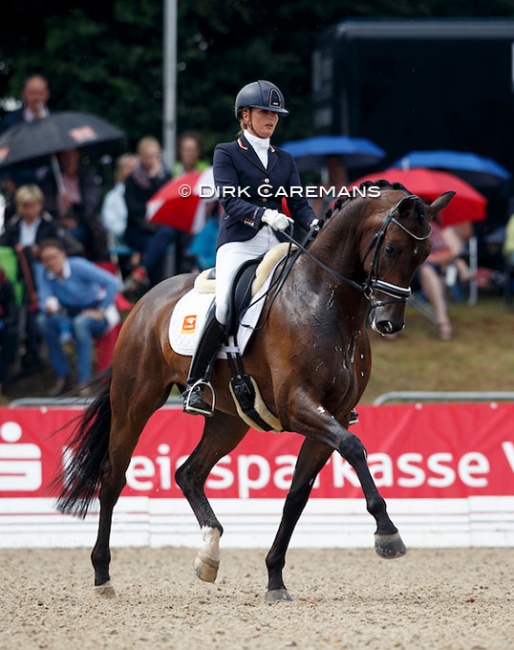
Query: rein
pixel 371 284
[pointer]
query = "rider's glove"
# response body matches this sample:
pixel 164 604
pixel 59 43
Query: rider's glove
pixel 276 219
pixel 316 225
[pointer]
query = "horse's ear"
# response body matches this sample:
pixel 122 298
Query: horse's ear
pixel 440 203
pixel 405 206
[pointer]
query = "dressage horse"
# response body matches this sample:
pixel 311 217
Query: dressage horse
pixel 310 357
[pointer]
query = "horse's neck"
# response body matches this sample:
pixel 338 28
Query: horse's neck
pixel 337 247
pixel 333 255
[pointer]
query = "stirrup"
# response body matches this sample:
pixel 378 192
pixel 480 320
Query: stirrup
pixel 208 411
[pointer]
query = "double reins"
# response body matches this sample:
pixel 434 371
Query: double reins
pixel 373 282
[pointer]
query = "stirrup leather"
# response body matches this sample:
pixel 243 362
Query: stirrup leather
pixel 190 408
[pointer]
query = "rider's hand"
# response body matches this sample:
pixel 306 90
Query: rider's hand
pixel 316 224
pixel 276 219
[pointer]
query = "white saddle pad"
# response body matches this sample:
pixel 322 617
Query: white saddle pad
pixel 189 315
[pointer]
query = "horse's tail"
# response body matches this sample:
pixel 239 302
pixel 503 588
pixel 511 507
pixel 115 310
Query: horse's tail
pixel 80 478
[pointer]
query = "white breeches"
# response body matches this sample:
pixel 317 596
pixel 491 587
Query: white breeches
pixel 230 257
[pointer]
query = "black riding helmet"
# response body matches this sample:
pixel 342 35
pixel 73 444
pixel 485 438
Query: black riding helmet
pixel 260 94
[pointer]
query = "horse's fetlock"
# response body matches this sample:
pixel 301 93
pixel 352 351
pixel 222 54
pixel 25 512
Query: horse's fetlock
pixel 376 505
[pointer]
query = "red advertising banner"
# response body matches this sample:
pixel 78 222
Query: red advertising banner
pixel 446 451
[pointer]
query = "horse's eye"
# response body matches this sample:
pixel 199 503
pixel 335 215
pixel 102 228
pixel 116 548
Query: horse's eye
pixel 390 250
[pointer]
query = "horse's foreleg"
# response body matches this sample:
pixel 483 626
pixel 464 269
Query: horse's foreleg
pixel 311 459
pixel 221 435
pixel 318 425
pixel 388 543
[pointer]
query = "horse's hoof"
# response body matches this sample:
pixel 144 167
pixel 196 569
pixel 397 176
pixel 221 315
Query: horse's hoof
pixel 206 568
pixel 390 546
pixel 277 595
pixel 106 590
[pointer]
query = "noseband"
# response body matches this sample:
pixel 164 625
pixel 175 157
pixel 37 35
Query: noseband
pixel 373 282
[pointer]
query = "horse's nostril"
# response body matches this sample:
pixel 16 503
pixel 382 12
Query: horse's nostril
pixel 389 326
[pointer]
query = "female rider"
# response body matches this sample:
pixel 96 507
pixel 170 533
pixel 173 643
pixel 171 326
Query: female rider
pixel 251 177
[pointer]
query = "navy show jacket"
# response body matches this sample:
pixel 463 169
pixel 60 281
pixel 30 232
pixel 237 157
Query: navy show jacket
pixel 237 168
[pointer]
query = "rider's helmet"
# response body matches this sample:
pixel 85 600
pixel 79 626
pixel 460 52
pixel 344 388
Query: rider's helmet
pixel 260 94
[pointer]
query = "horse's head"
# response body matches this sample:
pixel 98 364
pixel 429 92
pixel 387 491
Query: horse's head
pixel 395 242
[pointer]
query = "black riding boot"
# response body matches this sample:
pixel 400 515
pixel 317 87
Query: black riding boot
pixel 202 365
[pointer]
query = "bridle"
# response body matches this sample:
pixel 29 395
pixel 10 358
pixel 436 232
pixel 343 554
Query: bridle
pixel 372 282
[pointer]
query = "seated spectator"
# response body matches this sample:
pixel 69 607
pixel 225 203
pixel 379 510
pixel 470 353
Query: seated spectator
pixel 74 199
pixel 8 327
pixel 150 239
pixel 446 249
pixel 23 233
pixel 76 301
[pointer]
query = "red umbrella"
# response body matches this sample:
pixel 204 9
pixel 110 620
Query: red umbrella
pixel 467 204
pixel 184 201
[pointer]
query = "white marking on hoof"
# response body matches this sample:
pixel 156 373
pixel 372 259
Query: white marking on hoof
pixel 207 561
pixel 106 590
pixel 205 568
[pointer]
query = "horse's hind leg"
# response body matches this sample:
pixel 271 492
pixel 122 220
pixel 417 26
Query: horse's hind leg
pixel 311 459
pixel 221 435
pixel 131 409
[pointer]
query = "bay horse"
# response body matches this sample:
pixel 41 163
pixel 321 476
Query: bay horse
pixel 310 357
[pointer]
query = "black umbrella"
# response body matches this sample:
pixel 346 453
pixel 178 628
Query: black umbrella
pixel 57 132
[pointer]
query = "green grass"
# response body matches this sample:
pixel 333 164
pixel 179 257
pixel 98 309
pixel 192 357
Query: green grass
pixel 479 357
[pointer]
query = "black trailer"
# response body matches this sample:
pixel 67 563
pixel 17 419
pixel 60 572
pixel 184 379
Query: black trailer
pixel 418 84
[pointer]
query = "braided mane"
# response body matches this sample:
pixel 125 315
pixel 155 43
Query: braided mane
pixel 382 183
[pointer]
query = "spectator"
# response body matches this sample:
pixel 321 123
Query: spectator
pixel 76 301
pixel 114 208
pixel 150 239
pixel 189 159
pixel 29 226
pixel 35 96
pixel 8 326
pixel 74 199
pixel 446 249
pixel 189 154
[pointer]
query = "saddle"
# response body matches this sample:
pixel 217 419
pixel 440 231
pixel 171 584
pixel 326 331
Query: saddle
pixel 244 389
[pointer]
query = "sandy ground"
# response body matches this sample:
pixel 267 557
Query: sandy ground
pixel 346 599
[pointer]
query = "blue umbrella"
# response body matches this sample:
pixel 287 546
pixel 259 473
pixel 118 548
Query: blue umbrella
pixel 310 153
pixel 477 170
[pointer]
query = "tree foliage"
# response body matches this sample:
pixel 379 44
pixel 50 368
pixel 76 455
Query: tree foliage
pixel 108 60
